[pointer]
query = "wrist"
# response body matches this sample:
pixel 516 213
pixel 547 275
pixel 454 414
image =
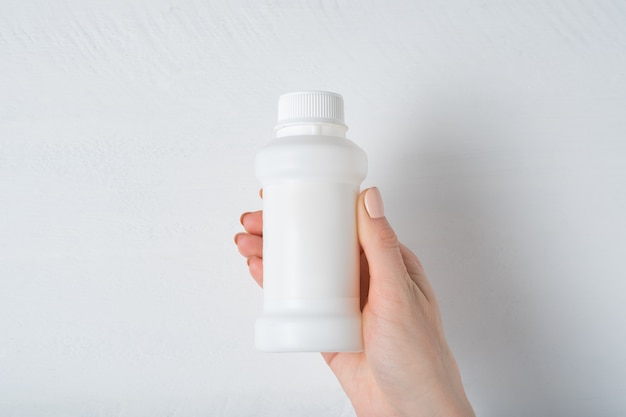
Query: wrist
pixel 443 400
pixel 447 401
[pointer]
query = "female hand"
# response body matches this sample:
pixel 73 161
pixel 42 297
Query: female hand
pixel 406 368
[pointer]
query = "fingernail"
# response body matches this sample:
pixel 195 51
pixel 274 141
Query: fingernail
pixel 374 203
pixel 237 237
pixel 242 216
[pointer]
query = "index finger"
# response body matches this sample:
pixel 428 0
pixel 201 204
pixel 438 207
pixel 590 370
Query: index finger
pixel 253 222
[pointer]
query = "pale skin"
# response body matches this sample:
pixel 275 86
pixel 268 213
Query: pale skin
pixel 406 368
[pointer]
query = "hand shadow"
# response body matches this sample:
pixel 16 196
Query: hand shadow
pixel 463 194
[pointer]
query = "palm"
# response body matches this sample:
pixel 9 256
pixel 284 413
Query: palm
pixel 368 377
pixel 357 379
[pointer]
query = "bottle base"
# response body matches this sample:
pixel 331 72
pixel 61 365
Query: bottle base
pixel 309 333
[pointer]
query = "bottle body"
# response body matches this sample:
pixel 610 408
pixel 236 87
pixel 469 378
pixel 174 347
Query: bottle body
pixel 310 244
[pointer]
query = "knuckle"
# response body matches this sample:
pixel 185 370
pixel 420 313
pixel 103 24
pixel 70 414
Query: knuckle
pixel 387 237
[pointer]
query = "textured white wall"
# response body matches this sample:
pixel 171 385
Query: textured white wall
pixel 496 131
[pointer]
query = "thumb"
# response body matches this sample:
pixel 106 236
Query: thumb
pixel 388 273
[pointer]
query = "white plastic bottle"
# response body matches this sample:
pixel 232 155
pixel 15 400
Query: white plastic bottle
pixel 311 177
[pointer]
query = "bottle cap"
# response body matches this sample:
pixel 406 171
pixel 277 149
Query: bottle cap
pixel 310 107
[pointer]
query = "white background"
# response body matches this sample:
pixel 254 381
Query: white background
pixel 496 131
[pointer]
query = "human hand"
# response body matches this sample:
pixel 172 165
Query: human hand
pixel 406 368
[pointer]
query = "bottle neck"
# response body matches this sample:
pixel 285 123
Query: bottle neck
pixel 311 129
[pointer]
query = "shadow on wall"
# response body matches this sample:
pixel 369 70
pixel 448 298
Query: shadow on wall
pixel 466 207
